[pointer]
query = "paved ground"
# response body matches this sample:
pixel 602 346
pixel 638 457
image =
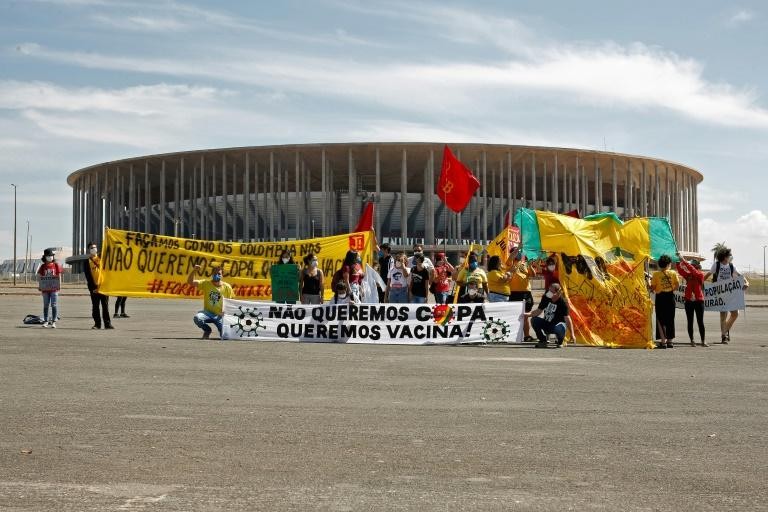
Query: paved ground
pixel 147 417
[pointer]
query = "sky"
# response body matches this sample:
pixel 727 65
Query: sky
pixel 88 81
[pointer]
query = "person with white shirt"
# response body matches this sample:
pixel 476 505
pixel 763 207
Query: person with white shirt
pixel 419 249
pixel 723 270
pixel 397 281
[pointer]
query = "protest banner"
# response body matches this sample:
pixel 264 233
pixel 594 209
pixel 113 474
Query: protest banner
pixel 284 280
pixel 601 264
pixel 395 324
pixel 501 246
pixel 147 265
pixel 726 295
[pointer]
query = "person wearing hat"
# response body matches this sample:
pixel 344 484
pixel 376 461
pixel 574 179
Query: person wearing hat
pixel 49 284
pixel 694 295
pixel 441 281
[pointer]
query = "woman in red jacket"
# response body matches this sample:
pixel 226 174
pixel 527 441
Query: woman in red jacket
pixel 694 295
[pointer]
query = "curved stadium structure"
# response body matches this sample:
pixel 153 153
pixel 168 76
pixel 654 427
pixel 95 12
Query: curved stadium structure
pixel 306 190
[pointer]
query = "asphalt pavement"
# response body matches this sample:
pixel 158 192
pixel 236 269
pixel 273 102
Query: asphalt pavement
pixel 150 417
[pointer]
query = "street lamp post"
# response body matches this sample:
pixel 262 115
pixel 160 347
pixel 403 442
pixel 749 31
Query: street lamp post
pixel 14 234
pixel 26 257
pixel 764 268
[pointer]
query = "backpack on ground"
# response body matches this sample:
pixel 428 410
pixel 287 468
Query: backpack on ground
pixel 33 320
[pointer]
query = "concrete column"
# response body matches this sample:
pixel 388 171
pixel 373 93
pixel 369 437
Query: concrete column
pixel 630 181
pixel 279 201
pixel 511 188
pixel 502 202
pixel 556 189
pixel 644 192
pixel 131 197
pixel 545 196
pixel 429 196
pixel 577 186
pixel 271 196
pixel 224 199
pixel 352 194
pixel 614 187
pixel 298 210
pixel 404 198
pixel 492 206
pixel 324 196
pixel 596 171
pixel 525 189
pixel 696 217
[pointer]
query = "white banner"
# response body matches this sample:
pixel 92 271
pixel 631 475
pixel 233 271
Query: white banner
pixel 725 295
pixel 395 324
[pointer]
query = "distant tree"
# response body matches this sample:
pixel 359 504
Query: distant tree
pixel 719 249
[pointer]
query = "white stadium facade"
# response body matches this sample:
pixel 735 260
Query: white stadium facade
pixel 284 192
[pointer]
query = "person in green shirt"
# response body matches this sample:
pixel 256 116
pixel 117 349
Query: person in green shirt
pixel 214 291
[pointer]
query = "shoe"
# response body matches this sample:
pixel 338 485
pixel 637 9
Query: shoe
pixel 44 325
pixel 661 345
pixel 541 344
pixel 52 325
pixel 693 344
pixel 110 326
pixel 670 344
pixel 728 336
pixel 96 327
pixel 124 316
pixel 206 335
pixel 116 316
pixel 704 344
pixel 723 339
pixel 528 339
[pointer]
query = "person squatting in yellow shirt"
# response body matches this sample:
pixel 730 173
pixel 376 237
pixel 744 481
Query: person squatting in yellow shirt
pixel 214 291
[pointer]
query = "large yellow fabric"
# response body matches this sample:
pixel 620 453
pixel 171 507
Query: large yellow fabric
pixel 602 270
pixel 503 244
pixel 146 265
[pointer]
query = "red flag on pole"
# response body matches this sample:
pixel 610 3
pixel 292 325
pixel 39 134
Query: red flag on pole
pixel 366 219
pixel 506 219
pixel 457 184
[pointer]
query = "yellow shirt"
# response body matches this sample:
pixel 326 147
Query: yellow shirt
pixel 497 283
pixel 664 281
pixel 213 295
pixel 466 275
pixel 521 277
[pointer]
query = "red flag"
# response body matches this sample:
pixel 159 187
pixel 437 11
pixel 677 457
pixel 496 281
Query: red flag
pixel 366 219
pixel 457 184
pixel 574 214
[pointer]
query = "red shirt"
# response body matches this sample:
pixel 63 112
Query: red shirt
pixel 442 277
pixel 694 281
pixel 47 273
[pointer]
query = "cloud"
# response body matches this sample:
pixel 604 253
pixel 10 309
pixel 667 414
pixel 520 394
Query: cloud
pixel 713 200
pixel 740 17
pixel 745 234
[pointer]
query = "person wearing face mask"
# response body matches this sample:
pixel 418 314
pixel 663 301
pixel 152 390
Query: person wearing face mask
pixel 476 275
pixel 340 294
pixel 550 273
pixel 722 270
pixel 94 277
pixel 421 278
pixel 353 275
pixel 419 249
pixel 664 282
pixel 441 287
pixel 397 281
pixel 49 283
pixel 311 281
pixel 520 286
pixel 214 290
pixel 286 258
pixel 498 281
pixel 551 317
pixel 386 262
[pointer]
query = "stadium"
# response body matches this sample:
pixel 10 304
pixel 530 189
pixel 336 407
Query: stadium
pixel 265 193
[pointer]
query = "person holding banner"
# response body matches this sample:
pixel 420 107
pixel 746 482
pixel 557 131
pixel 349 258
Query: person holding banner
pixel 441 276
pixel 498 281
pixel 520 287
pixel 49 284
pixel 664 282
pixel 420 280
pixel 214 291
pixel 722 270
pixel 554 318
pixel 386 262
pixel 397 281
pixel 94 277
pixel 311 281
pixel 472 281
pixel 694 295
pixel 353 275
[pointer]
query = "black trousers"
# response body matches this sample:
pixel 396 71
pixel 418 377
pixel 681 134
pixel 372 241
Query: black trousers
pixel 691 307
pixel 120 304
pixel 97 299
pixel 665 315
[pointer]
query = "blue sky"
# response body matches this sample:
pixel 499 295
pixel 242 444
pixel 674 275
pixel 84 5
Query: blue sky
pixel 86 81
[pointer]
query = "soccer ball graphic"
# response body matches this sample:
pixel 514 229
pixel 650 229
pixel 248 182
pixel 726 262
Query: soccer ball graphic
pixel 495 331
pixel 248 322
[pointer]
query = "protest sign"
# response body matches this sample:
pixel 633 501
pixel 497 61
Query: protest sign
pixel 726 295
pixel 146 265
pixel 284 280
pixel 397 324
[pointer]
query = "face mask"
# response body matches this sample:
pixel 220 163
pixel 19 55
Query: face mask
pixel 358 261
pixel 399 265
pixel 548 295
pixel 286 260
pixel 216 277
pixel 94 251
pixel 473 265
pixel 417 253
pixel 342 295
pixel 313 263
pixel 381 254
pixel 472 292
pixel 551 268
pixel 48 259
